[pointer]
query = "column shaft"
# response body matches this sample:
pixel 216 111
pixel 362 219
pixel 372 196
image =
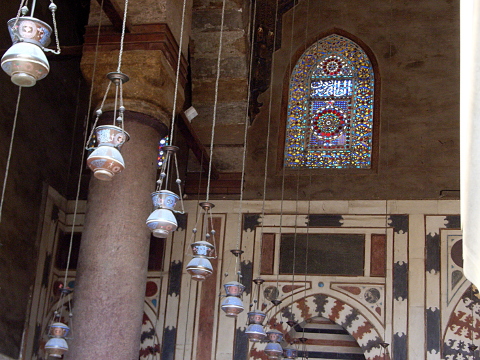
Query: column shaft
pixel 110 289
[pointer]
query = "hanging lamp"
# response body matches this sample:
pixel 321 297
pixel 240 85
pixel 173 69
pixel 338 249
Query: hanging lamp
pixel 200 267
pixel 290 352
pixel 58 330
pixel 232 305
pixel 106 160
pixel 25 61
pixel 162 221
pixel 273 349
pixel 255 331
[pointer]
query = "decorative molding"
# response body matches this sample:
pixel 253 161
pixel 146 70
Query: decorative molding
pixel 142 37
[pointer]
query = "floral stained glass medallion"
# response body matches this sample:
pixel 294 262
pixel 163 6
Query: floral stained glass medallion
pixel 330 107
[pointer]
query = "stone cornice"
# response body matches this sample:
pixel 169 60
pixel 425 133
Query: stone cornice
pixel 142 37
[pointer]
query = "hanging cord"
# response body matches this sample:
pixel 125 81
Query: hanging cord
pixel 19 13
pixel 212 231
pixel 53 9
pixel 122 38
pixel 295 242
pixel 265 174
pixel 179 182
pixel 298 173
pixel 95 60
pixel 304 345
pixel 79 183
pixel 119 82
pixel 306 255
pixel 99 113
pixel 177 76
pixel 252 36
pixel 34 4
pixel 10 150
pixel 268 146
pixel 215 103
pixel 188 313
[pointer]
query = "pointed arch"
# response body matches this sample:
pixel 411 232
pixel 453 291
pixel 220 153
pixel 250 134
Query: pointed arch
pixel 321 305
pixel 331 106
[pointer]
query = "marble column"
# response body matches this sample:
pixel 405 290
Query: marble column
pixel 112 270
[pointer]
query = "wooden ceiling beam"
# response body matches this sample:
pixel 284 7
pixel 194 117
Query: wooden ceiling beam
pixel 115 15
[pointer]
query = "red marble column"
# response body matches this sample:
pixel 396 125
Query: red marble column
pixel 111 275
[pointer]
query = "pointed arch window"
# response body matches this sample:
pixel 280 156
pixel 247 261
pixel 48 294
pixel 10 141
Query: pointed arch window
pixel 330 107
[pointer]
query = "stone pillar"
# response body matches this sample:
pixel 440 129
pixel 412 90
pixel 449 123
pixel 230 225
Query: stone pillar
pixel 110 287
pixel 111 275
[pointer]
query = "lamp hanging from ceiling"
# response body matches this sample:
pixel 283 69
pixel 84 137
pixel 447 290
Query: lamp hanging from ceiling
pixel 200 267
pixel 162 221
pixel 255 331
pixel 59 328
pixel 106 160
pixel 273 349
pixel 106 141
pixel 232 305
pixel 25 61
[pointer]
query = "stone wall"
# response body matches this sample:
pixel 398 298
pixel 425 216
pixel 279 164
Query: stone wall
pixel 46 150
pixel 416 47
pixel 232 88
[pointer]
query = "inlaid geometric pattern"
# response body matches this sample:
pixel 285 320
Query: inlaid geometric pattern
pixel 369 295
pixel 463 328
pixel 347 317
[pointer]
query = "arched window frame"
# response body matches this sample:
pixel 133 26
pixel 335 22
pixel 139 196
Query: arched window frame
pixel 375 107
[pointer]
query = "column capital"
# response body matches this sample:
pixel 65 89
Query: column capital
pixel 150 56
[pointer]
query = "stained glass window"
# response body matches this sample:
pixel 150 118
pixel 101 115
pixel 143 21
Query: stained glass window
pixel 161 153
pixel 330 107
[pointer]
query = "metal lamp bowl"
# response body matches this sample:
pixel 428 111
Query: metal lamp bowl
pixel 164 199
pixel 274 335
pixel 232 306
pixel 202 249
pixel 234 288
pixel 105 162
pixel 273 350
pixel 58 329
pixel 30 29
pixel 111 135
pixel 256 317
pixel 199 268
pixel 255 333
pixel 162 222
pixel 56 347
pixel 290 353
pixel 25 63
